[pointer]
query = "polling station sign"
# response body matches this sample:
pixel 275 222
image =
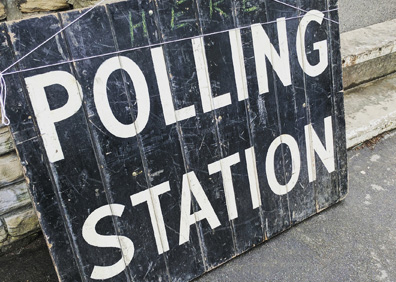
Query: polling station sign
pixel 160 139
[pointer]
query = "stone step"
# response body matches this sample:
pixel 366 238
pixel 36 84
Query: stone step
pixel 368 53
pixel 370 109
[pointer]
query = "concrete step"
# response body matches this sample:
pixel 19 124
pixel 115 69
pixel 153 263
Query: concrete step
pixel 370 109
pixel 368 53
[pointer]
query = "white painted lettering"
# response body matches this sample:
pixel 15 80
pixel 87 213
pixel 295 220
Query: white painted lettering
pixel 224 165
pixel 209 103
pixel 151 197
pixel 170 114
pixel 191 185
pixel 46 118
pixel 311 70
pixel 107 241
pixel 102 102
pixel 253 177
pixel 238 61
pixel 275 186
pixel 313 144
pixel 264 49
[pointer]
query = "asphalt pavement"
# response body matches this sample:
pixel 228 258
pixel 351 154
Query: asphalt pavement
pixel 354 240
pixel 356 14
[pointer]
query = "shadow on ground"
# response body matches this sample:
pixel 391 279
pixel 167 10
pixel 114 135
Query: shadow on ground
pixel 29 264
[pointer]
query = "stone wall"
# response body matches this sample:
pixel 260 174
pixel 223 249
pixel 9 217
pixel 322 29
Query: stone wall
pixel 18 9
pixel 18 221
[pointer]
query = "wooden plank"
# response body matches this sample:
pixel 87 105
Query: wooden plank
pixel 338 96
pixel 30 149
pixel 123 167
pixel 176 19
pixel 199 136
pixel 246 14
pixel 225 67
pixel 76 179
pixel 319 95
pixel 293 113
pixel 185 260
pixel 143 30
pixel 263 111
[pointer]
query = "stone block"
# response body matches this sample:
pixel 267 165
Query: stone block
pixel 14 197
pixel 21 223
pixel 369 70
pixel 6 144
pixel 370 109
pixel 31 6
pixel 368 53
pixel 77 4
pixel 3 232
pixel 3 13
pixel 10 169
pixel 16 243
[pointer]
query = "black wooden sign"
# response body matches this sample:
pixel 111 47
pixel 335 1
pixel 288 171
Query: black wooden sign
pixel 163 138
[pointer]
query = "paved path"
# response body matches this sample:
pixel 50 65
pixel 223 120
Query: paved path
pixel 29 264
pixel 360 13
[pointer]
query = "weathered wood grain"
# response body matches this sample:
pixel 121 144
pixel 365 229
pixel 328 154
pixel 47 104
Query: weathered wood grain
pixel 199 138
pixel 30 148
pixel 293 115
pixel 173 18
pixel 264 126
pixel 182 150
pixel 96 138
pixel 319 96
pixel 338 97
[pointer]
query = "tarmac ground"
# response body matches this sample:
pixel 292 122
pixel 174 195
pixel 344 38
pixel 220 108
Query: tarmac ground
pixel 354 240
pixel 31 263
pixel 356 14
